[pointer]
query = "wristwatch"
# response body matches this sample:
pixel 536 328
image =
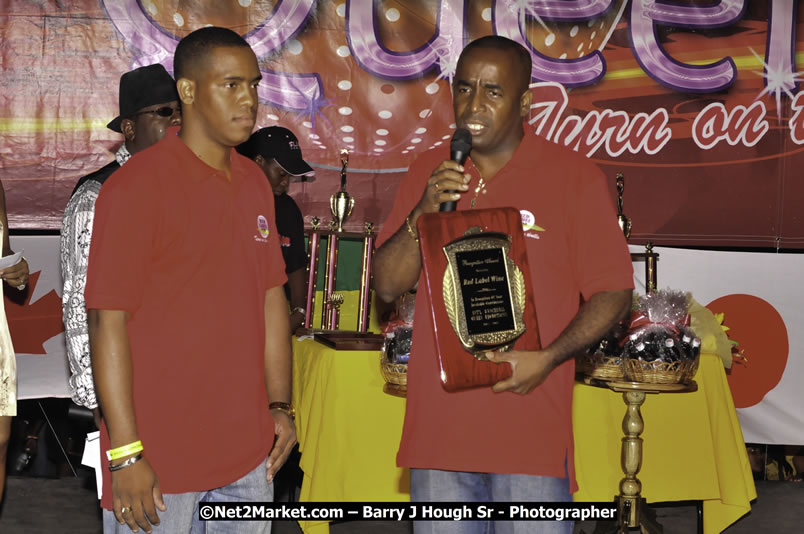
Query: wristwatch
pixel 298 309
pixel 284 407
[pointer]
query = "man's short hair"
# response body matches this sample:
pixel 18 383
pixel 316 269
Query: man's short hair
pixel 196 47
pixel 523 62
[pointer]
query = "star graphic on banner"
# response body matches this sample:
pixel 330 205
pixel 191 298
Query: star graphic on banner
pixel 778 80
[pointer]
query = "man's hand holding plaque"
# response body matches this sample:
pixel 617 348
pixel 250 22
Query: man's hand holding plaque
pixel 529 369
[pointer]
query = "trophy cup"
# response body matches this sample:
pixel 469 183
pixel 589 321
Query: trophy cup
pixel 341 203
pixel 335 302
pixel 649 255
pixel 622 220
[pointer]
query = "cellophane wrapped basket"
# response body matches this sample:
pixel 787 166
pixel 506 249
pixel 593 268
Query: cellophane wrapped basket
pixel 604 360
pixel 660 348
pixel 396 347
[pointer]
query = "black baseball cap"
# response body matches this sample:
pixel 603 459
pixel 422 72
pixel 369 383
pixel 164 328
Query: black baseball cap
pixel 280 144
pixel 143 87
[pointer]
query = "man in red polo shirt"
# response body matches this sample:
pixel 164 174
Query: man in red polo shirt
pixel 511 442
pixel 187 320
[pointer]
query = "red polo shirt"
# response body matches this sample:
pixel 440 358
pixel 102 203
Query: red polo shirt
pixel 574 247
pixel 190 255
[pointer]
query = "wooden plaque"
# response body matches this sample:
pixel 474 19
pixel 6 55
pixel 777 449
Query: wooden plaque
pixel 477 277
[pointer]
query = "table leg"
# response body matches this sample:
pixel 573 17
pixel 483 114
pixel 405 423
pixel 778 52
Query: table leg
pixel 633 510
pixel 631 460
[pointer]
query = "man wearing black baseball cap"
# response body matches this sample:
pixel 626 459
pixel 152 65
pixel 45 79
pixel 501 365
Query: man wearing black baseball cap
pixel 149 104
pixel 277 152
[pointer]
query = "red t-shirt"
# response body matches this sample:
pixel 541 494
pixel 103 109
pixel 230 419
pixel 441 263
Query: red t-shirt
pixel 575 247
pixel 190 255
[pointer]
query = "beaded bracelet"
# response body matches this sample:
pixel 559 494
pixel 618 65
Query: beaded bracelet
pixel 125 450
pixel 125 463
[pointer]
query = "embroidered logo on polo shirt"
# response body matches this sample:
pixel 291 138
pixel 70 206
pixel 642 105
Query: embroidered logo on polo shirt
pixel 284 241
pixel 262 226
pixel 529 225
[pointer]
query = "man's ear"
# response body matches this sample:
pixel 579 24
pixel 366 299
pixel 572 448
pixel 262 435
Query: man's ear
pixel 129 129
pixel 259 160
pixel 524 102
pixel 186 90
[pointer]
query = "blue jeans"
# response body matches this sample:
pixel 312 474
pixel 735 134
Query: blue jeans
pixel 430 485
pixel 181 516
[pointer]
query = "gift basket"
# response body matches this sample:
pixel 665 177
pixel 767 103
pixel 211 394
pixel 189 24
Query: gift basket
pixel 398 334
pixel 604 359
pixel 660 347
pixel 656 346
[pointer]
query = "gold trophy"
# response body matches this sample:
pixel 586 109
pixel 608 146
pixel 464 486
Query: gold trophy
pixel 341 203
pixel 622 220
pixel 335 302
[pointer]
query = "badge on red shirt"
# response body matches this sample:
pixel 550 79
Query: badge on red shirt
pixel 262 226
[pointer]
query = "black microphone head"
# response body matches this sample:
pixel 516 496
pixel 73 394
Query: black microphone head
pixel 461 142
pixel 459 149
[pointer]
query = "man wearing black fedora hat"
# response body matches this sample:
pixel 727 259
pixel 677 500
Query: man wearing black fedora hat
pixel 149 104
pixel 277 152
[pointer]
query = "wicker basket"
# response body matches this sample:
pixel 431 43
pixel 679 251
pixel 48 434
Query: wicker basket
pixel 394 373
pixel 692 368
pixel 599 366
pixel 679 372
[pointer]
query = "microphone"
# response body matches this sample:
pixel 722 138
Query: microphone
pixel 459 149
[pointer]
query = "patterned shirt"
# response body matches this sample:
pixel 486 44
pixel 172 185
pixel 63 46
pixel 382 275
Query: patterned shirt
pixel 76 233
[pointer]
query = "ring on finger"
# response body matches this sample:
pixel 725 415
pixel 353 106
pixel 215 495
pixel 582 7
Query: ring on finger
pixel 124 509
pixel 436 186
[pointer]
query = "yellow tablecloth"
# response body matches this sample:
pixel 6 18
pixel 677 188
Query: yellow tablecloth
pixel 348 429
pixel 349 432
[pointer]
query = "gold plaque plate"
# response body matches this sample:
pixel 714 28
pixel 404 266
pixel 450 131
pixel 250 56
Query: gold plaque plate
pixel 482 280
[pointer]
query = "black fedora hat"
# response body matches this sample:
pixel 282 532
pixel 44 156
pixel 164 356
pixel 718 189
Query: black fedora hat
pixel 143 87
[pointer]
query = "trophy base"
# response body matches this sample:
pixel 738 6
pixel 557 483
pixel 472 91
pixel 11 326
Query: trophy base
pixel 341 340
